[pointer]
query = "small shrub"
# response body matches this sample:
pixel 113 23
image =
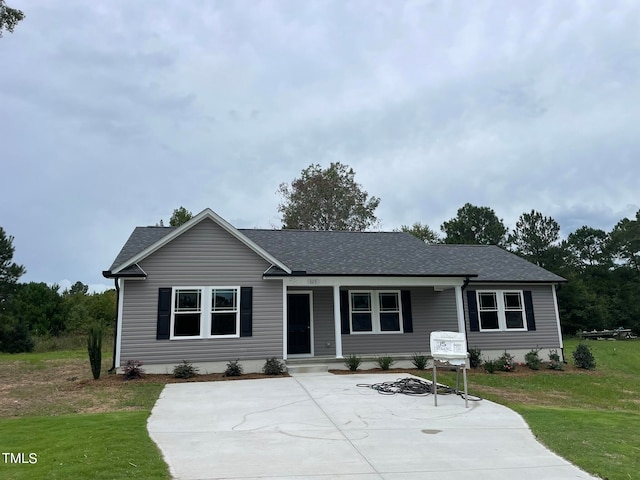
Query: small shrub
pixel 475 357
pixel 94 347
pixel 273 366
pixel 583 358
pixel 234 369
pixel 506 363
pixel 533 360
pixel 554 360
pixel 490 366
pixel 133 369
pixel 385 362
pixel 419 361
pixel 185 370
pixel 352 362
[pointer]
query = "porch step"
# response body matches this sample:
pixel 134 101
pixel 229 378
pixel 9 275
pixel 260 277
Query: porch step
pixel 308 368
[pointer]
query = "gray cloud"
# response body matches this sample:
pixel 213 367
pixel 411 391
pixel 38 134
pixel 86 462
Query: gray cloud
pixel 115 113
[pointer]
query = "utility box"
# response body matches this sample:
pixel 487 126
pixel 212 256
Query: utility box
pixel 449 347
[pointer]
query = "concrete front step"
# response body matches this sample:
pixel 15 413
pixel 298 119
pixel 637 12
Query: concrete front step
pixel 308 368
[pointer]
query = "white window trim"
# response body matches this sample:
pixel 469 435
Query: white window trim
pixel 205 311
pixel 502 319
pixel 375 313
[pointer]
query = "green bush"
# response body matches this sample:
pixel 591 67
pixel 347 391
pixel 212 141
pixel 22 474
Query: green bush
pixel 583 358
pixel 352 362
pixel 419 361
pixel 475 357
pixel 185 370
pixel 490 366
pixel 385 362
pixel 133 369
pixel 234 369
pixel 15 338
pixel 273 366
pixel 533 360
pixel 506 363
pixel 554 360
pixel 94 347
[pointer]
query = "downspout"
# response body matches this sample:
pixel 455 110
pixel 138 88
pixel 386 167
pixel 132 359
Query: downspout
pixel 115 330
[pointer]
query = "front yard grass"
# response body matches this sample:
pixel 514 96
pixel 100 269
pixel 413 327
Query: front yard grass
pixel 82 428
pixel 77 427
pixel 591 418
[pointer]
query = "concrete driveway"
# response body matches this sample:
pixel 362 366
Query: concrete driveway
pixel 322 426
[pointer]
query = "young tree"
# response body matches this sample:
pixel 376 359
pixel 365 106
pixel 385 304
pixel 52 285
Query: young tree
pixel 476 226
pixel 10 271
pixel 9 17
pixel 180 215
pixel 533 236
pixel 328 199
pixel 422 231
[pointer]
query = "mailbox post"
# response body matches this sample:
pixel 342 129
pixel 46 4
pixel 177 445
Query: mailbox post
pixel 449 348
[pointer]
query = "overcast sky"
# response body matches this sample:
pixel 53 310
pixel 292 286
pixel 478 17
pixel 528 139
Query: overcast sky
pixel 114 113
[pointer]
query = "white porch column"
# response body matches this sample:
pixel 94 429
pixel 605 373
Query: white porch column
pixel 284 321
pixel 337 321
pixel 460 309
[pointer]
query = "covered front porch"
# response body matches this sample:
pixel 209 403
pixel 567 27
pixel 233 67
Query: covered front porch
pixel 327 318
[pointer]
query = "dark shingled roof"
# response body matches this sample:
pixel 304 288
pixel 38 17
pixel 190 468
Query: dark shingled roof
pixel 393 253
pixel 141 238
pixel 370 253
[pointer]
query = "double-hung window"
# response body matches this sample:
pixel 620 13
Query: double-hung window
pixel 501 310
pixel 205 312
pixel 374 311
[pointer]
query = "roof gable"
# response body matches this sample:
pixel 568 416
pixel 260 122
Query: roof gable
pixel 146 240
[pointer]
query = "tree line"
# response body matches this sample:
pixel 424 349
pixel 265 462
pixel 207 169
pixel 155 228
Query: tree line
pixel 37 309
pixel 602 268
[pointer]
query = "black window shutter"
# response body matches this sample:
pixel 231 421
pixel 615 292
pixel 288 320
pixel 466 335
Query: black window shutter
pixel 246 311
pixel 472 304
pixel 528 307
pixel 164 314
pixel 344 311
pixel 407 319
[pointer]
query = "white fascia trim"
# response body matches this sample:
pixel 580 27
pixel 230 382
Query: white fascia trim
pixel 211 215
pixel 361 281
pixel 121 283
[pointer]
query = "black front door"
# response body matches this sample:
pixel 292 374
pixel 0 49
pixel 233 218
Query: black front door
pixel 299 324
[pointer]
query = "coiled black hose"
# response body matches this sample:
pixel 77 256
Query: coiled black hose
pixel 414 387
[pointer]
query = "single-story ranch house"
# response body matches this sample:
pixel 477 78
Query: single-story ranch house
pixel 209 293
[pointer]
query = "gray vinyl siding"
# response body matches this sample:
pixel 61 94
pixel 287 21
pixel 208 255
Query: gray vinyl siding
pixel 431 311
pixel 545 335
pixel 205 255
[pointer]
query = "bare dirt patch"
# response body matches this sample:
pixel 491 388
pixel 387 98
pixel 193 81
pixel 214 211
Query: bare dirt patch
pixel 57 387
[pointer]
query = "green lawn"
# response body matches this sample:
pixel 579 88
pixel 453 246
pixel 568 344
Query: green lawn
pixel 95 446
pixel 591 418
pixel 44 409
